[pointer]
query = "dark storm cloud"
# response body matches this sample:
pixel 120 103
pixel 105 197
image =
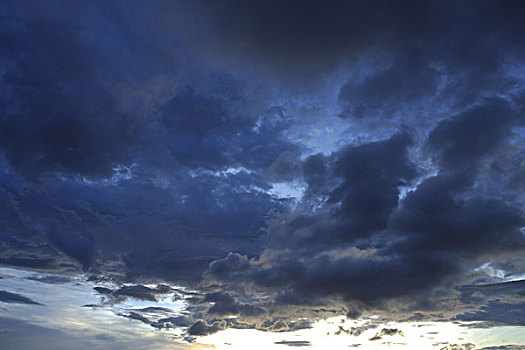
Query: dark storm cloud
pixel 443 220
pixel 68 119
pixel 369 176
pixel 417 85
pixel 229 266
pixel 460 57
pixel 360 208
pixel 463 140
pixel 403 85
pixel 470 226
pixel 402 248
pixel 297 37
pixel 301 41
pixel 206 132
pixel 139 143
pixel 369 190
pixel 8 297
pixel 92 127
pixel 60 119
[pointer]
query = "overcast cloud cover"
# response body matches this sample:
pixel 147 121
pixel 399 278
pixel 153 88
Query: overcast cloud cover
pixel 280 161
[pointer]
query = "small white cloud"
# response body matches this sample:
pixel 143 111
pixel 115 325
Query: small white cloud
pixel 288 190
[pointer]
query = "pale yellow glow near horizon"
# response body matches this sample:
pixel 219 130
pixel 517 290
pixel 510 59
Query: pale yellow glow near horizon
pixel 63 311
pixel 415 335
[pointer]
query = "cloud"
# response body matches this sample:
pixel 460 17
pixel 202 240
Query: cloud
pixel 471 293
pixel 408 82
pixel 78 150
pixel 224 305
pixel 294 343
pixel 58 129
pixel 140 143
pixel 31 262
pixel 496 312
pixel 371 172
pixel 170 322
pixel 8 297
pixel 138 292
pixel 21 334
pixel 158 317
pixel 71 124
pixel 309 37
pixel 462 141
pixel 366 245
pixel 300 43
pixel 200 328
pixel 136 316
pixel 51 279
pixel 355 331
pixel 386 332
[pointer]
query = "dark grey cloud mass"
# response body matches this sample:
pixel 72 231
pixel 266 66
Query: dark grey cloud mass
pixel 157 142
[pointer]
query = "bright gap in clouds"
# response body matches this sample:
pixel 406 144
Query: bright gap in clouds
pixel 64 313
pixel 341 333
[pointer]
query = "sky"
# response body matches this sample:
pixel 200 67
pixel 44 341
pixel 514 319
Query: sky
pixel 262 174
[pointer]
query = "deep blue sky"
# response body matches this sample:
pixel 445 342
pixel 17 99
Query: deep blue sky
pixel 285 160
